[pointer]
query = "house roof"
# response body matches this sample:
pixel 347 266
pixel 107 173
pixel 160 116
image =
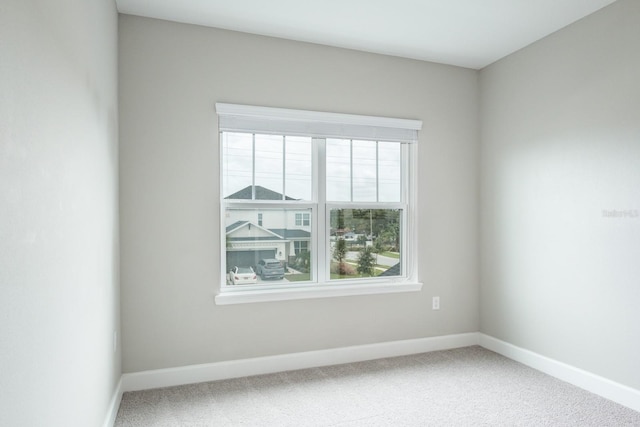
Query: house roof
pixel 291 234
pixel 236 225
pixel 254 239
pixel 277 233
pixel 239 224
pixel 262 193
pixel 393 271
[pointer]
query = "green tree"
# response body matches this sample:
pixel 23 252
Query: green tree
pixel 337 218
pixel 366 262
pixel 303 262
pixel 391 236
pixel 340 251
pixel 377 248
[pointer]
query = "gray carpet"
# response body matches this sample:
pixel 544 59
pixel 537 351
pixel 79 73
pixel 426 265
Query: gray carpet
pixel 463 387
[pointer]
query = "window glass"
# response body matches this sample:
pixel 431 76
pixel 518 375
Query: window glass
pixel 365 243
pixel 364 166
pixel 237 165
pixel 338 164
pixel 266 167
pixel 363 171
pixel 269 167
pixel 298 167
pixel 389 172
pixel 362 243
pixel 274 250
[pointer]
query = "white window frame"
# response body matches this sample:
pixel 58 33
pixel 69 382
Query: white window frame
pixel 320 126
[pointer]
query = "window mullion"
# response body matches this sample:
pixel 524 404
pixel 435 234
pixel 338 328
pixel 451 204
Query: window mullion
pixel 351 168
pixel 377 173
pixel 284 167
pixel 320 219
pixel 409 194
pixel 405 172
pixel 253 166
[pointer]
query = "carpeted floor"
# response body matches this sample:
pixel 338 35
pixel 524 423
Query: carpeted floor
pixel 463 387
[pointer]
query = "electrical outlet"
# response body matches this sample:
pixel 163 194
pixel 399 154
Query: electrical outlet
pixel 435 304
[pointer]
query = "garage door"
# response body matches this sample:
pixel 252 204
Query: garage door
pixel 248 258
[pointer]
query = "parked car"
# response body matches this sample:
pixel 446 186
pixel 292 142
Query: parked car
pixel 242 276
pixel 270 268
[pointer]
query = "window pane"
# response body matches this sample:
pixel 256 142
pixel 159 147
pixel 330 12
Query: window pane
pixel 237 165
pixel 298 167
pixel 283 165
pixel 389 166
pixel 365 243
pixel 278 251
pixel 269 167
pixel 338 160
pixel 364 171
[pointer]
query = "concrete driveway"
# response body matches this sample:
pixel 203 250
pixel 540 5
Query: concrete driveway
pixel 382 260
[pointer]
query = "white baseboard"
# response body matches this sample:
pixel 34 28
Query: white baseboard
pixel 114 405
pixel 601 386
pixel 288 362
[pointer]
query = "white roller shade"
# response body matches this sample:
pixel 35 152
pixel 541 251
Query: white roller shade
pixel 281 121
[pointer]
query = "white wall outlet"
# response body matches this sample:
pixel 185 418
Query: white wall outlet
pixel 435 304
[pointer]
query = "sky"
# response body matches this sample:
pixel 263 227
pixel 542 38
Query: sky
pixel 284 165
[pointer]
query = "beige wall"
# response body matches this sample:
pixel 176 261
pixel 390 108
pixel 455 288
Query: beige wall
pixel 561 144
pixel 58 212
pixel 170 77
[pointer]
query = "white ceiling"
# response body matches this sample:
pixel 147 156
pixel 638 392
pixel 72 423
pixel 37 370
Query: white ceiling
pixel 467 33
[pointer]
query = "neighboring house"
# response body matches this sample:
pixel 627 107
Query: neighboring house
pixel 392 271
pixel 262 193
pixel 253 234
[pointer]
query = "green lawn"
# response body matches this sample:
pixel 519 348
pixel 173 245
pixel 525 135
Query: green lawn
pixel 377 270
pixel 336 276
pixel 302 277
pixel 305 277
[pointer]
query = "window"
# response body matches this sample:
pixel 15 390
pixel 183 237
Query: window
pixel 301 246
pixel 335 195
pixel 303 219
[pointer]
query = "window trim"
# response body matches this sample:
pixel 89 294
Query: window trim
pixel 270 294
pixel 282 121
pixel 237 115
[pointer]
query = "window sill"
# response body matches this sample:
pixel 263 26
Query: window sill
pixel 315 291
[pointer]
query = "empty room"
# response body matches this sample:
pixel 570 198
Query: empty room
pixel 323 213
